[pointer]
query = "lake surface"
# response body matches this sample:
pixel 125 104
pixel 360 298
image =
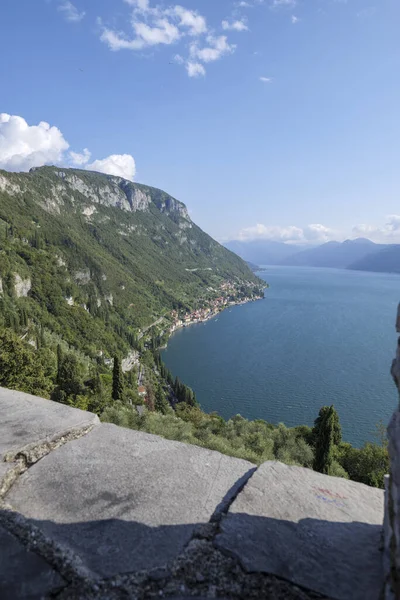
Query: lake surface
pixel 321 336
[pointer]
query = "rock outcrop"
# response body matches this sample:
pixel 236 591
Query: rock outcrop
pixel 22 286
pixel 91 510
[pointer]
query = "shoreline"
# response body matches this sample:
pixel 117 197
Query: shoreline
pixel 179 326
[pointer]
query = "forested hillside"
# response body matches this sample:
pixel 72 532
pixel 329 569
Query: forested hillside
pixel 95 258
pixel 94 274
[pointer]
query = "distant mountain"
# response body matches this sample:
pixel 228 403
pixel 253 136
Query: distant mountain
pixel 387 260
pixel 339 255
pixel 262 252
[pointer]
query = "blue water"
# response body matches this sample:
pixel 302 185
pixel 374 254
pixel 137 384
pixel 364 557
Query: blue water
pixel 321 336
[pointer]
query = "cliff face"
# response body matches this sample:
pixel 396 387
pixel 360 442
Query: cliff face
pixel 107 190
pixel 96 511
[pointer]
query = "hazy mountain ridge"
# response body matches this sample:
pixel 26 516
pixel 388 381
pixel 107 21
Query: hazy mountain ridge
pixel 387 260
pixel 262 252
pixel 358 254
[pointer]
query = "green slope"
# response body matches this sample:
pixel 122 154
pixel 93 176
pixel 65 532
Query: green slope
pixel 122 253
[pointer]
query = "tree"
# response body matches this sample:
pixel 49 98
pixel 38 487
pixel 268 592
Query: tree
pixel 117 383
pixel 337 429
pixel 325 435
pixel 22 367
pixel 160 403
pixel 368 464
pixel 59 362
pixel 69 380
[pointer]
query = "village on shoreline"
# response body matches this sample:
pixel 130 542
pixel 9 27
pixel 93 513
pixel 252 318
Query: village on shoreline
pixel 230 296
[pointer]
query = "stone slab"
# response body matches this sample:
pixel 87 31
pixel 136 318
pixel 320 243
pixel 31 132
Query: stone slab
pixel 320 532
pixel 27 420
pixel 24 574
pixel 125 500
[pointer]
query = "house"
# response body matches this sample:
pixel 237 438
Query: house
pixel 142 391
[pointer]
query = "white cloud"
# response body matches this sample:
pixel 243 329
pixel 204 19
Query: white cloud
pixel 163 32
pixel 80 159
pixel 23 146
pixel 121 165
pixel 155 25
pixel 283 3
pixel 238 25
pixel 217 46
pixel 196 24
pixel 195 69
pixel 315 233
pixel 266 79
pixel 294 19
pixel 70 12
pixel 388 233
pixel 142 5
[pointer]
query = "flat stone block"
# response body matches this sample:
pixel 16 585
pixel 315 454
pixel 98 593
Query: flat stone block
pixel 27 420
pixel 125 500
pixel 320 532
pixel 24 574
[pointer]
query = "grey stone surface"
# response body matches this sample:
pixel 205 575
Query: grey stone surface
pixel 27 420
pixel 320 532
pixel 392 516
pixel 24 574
pixel 125 500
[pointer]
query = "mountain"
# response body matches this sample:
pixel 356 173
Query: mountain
pixel 93 258
pixel 387 260
pixel 339 255
pixel 262 252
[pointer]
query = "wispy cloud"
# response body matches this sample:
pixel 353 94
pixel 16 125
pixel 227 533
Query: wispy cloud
pixel 283 3
pixel 294 19
pixel 317 233
pixel 153 25
pixel 195 69
pixel 314 233
pixel 214 49
pixel 238 25
pixel 389 232
pixel 70 12
pixel 78 158
pixel 265 79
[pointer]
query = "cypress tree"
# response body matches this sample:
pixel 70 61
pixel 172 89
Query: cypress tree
pixel 160 402
pixel 59 363
pixel 117 383
pixel 337 429
pixel 324 439
pixel 42 338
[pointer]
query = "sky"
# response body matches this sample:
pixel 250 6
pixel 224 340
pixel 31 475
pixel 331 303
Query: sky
pixel 275 119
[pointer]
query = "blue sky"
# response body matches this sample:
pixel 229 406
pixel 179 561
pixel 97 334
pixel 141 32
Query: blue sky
pixel 277 118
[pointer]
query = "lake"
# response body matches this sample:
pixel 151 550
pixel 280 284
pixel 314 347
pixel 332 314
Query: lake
pixel 320 336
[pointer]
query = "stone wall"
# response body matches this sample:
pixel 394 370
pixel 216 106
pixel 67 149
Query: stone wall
pixel 392 493
pixel 91 511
